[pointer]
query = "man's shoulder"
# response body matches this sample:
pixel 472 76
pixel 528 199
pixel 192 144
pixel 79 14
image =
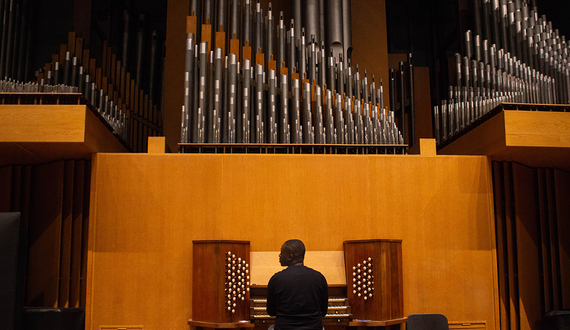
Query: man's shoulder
pixel 314 271
pixel 277 275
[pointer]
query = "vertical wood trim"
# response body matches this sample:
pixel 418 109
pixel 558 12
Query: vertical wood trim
pixel 25 197
pixel 91 243
pixel 85 233
pixel 493 230
pixel 77 231
pixel 44 235
pixel 66 234
pixel 5 188
pixel 546 264
pixel 511 245
pixel 16 189
pixel 499 195
pixel 527 231
pixel 563 214
pixel 553 223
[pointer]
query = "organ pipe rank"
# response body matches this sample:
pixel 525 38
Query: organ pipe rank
pixel 269 81
pixel 515 56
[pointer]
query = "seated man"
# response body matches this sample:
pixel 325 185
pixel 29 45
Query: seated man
pixel 298 295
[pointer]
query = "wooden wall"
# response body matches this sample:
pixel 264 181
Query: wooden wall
pixel 533 225
pixel 54 205
pixel 147 209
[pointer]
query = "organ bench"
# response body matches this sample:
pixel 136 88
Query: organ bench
pixel 365 284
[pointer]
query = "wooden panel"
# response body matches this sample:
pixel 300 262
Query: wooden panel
pixel 501 238
pixel 511 248
pixel 147 208
pixel 85 236
pixel 77 233
pixel 422 99
pixel 16 189
pixel 537 129
pixel 177 12
pixel 562 180
pixel 533 138
pixel 370 40
pixel 546 264
pixel 66 234
pixel 210 296
pixel 25 196
pixel 554 247
pixel 59 123
pixel 98 138
pixel 330 263
pixel 527 245
pixel 5 188
pixel 467 325
pixel 43 133
pixel 44 235
pixel 485 139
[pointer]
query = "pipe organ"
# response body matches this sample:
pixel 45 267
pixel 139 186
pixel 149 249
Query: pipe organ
pixel 255 78
pixel 512 56
pixel 15 38
pixel 223 295
pixel 108 90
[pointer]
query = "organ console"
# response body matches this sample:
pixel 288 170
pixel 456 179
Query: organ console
pixel 224 297
pixel 339 311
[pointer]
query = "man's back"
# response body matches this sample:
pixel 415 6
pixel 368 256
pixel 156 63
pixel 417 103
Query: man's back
pixel 298 297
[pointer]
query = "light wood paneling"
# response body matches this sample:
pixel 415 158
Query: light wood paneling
pixel 147 209
pixel 37 134
pixel 532 138
pixel 329 263
pixel 485 139
pixel 42 123
pixel 537 129
pixel 528 245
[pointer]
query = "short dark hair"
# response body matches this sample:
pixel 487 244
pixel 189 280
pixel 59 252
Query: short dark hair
pixel 296 247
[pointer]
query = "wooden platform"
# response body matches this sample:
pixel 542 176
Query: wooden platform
pixel 40 133
pixel 533 138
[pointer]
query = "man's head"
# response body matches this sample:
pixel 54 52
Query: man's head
pixel 292 253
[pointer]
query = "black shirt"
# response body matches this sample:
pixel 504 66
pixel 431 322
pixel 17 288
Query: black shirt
pixel 298 297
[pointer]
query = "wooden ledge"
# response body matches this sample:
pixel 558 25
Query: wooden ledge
pixel 373 323
pixel 533 138
pixel 40 133
pixel 216 325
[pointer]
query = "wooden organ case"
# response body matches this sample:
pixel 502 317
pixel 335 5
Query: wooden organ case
pixel 372 297
pixel 220 290
pixel 374 281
